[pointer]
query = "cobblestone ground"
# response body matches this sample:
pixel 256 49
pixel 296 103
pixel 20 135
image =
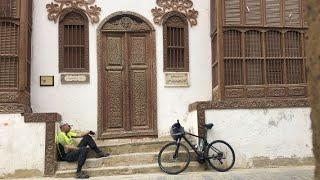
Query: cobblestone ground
pixel 287 173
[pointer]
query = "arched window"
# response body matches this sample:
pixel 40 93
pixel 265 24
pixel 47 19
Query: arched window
pixel 176 43
pixel 9 46
pixel 293 53
pixel 274 60
pixel 253 55
pixel 73 42
pixel 233 58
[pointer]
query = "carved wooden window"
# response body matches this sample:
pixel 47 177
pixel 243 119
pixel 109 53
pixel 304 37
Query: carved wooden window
pixel 8 8
pixel 247 63
pixel 9 35
pixel 74 47
pixel 176 47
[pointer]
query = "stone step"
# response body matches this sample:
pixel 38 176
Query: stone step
pixel 117 160
pixel 126 170
pixel 135 147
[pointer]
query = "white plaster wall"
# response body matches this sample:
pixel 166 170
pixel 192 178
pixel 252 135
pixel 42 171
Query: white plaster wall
pixel 270 133
pixel 78 103
pixel 22 145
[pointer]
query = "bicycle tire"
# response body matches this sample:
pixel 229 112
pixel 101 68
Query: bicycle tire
pixel 215 166
pixel 161 154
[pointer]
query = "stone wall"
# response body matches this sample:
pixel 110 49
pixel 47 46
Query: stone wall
pixel 22 147
pixel 264 137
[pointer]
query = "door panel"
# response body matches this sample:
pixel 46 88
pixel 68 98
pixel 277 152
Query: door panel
pixel 139 86
pixel 114 84
pixel 127 85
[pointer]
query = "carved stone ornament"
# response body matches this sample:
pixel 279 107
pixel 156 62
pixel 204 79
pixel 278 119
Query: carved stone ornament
pixel 181 6
pixel 55 9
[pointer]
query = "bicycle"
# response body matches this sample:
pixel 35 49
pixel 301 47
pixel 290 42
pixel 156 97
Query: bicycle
pixel 174 157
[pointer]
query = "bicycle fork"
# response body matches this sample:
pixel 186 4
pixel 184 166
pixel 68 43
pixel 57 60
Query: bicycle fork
pixel 176 152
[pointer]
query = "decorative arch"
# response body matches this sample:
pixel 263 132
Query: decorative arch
pixel 180 6
pixel 55 10
pixel 68 11
pixel 117 16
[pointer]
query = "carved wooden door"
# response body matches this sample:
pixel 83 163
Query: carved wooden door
pixel 127 85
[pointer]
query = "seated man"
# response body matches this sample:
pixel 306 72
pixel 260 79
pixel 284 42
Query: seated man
pixel 77 152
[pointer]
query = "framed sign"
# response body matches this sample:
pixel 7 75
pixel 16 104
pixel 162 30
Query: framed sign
pixel 46 80
pixel 176 79
pixel 75 78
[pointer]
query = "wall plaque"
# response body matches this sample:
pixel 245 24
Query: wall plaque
pixel 176 79
pixel 46 80
pixel 75 78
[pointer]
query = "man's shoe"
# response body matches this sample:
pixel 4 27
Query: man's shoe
pixel 102 154
pixel 82 175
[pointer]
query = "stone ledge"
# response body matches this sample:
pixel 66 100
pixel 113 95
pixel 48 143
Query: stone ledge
pixel 41 117
pixel 249 104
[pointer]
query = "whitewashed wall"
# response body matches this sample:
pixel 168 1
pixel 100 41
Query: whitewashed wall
pixel 22 146
pixel 78 103
pixel 270 133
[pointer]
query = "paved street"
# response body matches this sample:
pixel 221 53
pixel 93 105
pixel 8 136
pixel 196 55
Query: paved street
pixel 287 173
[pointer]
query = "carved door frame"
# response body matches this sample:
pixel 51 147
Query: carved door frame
pixel 153 90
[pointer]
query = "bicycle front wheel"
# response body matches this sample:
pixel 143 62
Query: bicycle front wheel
pixel 220 155
pixel 174 158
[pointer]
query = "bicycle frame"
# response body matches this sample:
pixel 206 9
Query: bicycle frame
pixel 205 143
pixel 199 153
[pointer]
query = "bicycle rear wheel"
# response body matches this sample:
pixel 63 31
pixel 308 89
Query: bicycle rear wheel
pixel 174 158
pixel 220 155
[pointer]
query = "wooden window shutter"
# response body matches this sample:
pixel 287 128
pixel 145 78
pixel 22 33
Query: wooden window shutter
pixel 213 16
pixel 253 12
pixel 273 17
pixel 74 47
pixel 232 43
pixel 293 44
pixel 274 61
pixel 293 53
pixel 176 55
pixel 8 8
pixel 253 54
pixel 233 60
pixel 292 12
pixel 232 12
pixel 214 61
pixel 273 44
pixel 253 44
pixel 9 35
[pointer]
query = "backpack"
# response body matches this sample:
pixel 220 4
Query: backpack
pixel 61 154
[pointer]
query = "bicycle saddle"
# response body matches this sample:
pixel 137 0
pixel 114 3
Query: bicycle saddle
pixel 208 126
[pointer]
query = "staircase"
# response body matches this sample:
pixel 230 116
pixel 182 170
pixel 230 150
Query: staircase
pixel 128 157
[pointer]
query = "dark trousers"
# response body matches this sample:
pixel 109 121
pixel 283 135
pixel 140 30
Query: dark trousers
pixel 80 155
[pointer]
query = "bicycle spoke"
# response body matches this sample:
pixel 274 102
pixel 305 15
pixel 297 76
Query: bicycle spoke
pixel 174 158
pixel 220 156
